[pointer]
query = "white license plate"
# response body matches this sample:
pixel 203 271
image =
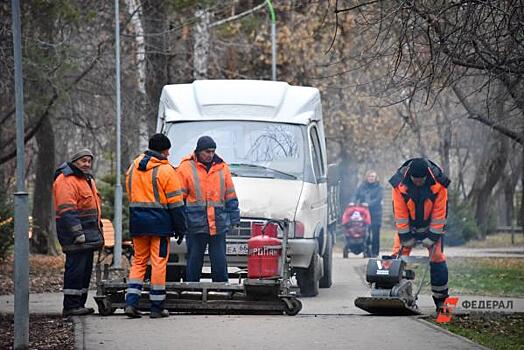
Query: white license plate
pixel 233 249
pixel 236 249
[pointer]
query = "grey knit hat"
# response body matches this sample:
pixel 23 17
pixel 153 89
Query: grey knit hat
pixel 82 153
pixel 205 142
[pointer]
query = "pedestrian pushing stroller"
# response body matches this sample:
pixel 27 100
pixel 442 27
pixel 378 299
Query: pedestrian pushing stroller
pixel 356 221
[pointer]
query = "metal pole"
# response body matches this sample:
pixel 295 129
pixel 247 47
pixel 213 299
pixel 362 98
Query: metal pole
pixel 118 187
pixel 512 221
pixel 21 264
pixel 273 41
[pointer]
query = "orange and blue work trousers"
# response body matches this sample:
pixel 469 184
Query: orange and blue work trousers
pixel 156 250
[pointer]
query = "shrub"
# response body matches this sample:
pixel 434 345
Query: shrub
pixel 461 225
pixel 7 239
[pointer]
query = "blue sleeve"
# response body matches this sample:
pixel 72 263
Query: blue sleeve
pixel 233 210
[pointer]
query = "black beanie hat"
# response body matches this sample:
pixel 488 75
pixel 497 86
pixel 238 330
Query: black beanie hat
pixel 205 142
pixel 159 143
pixel 418 167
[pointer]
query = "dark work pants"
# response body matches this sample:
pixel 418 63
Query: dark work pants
pixel 375 238
pixel 77 275
pixel 439 282
pixel 196 247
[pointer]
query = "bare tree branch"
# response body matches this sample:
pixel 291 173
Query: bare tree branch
pixel 484 120
pixel 45 114
pixel 356 6
pixel 237 16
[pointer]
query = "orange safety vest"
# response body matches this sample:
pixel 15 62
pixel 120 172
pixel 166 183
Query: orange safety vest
pixel 433 207
pixel 153 190
pixel 77 209
pixel 210 197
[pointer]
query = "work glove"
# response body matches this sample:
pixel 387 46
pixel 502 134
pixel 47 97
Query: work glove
pixel 428 242
pixel 179 237
pixel 80 239
pixel 407 240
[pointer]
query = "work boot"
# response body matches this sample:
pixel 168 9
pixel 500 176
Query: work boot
pixel 77 311
pixel 132 312
pixel 439 304
pixel 159 314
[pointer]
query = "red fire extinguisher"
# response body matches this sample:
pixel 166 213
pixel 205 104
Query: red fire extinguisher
pixel 263 259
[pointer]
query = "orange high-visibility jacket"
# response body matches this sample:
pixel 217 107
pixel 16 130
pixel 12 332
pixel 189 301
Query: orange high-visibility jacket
pixel 77 208
pixel 420 210
pixel 155 197
pixel 211 201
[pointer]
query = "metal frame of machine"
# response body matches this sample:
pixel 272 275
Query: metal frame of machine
pixel 272 295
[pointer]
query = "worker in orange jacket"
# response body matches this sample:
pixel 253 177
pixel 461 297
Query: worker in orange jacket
pixel 79 228
pixel 420 207
pixel 212 208
pixel 156 212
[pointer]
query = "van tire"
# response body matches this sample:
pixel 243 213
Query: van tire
pixel 327 278
pixel 307 282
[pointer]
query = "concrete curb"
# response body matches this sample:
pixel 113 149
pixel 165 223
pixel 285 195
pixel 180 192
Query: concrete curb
pixel 445 331
pixel 79 332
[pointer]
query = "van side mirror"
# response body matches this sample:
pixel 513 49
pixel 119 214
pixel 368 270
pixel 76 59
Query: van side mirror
pixel 333 174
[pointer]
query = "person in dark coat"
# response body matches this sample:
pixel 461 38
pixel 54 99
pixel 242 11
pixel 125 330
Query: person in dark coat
pixel 372 193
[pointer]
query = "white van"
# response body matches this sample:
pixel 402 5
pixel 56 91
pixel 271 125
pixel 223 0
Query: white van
pixel 271 135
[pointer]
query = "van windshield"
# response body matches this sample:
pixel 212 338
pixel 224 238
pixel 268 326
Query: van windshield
pixel 252 149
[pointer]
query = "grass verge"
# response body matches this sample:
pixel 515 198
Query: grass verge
pixel 496 331
pixel 502 277
pixel 499 240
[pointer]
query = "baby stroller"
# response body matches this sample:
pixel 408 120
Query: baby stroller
pixel 356 221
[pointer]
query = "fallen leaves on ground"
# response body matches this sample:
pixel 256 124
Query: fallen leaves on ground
pixel 46 274
pixel 45 332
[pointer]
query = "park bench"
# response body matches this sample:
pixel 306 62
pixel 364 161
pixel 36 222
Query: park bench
pixel 109 243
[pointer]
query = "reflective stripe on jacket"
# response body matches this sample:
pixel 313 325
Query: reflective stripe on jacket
pixel 154 191
pixel 420 210
pixel 77 209
pixel 211 201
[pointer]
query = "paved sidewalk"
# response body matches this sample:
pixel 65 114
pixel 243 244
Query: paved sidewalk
pixel 44 303
pixel 330 321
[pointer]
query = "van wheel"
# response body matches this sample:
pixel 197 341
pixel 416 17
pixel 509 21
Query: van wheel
pixel 327 278
pixel 306 278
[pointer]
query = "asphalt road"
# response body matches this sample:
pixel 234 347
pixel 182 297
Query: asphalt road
pixel 329 321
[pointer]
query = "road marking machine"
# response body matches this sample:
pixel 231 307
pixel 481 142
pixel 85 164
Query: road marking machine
pixel 267 288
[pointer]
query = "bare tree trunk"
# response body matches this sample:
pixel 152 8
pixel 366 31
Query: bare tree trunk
pixel 134 9
pixel 201 44
pixel 156 26
pixel 488 175
pixel 509 184
pixel 411 119
pixel 504 200
pixel 3 190
pixel 43 239
pixel 444 130
pixel 521 221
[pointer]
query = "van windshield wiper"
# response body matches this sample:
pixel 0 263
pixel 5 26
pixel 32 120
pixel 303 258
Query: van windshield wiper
pixel 255 166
